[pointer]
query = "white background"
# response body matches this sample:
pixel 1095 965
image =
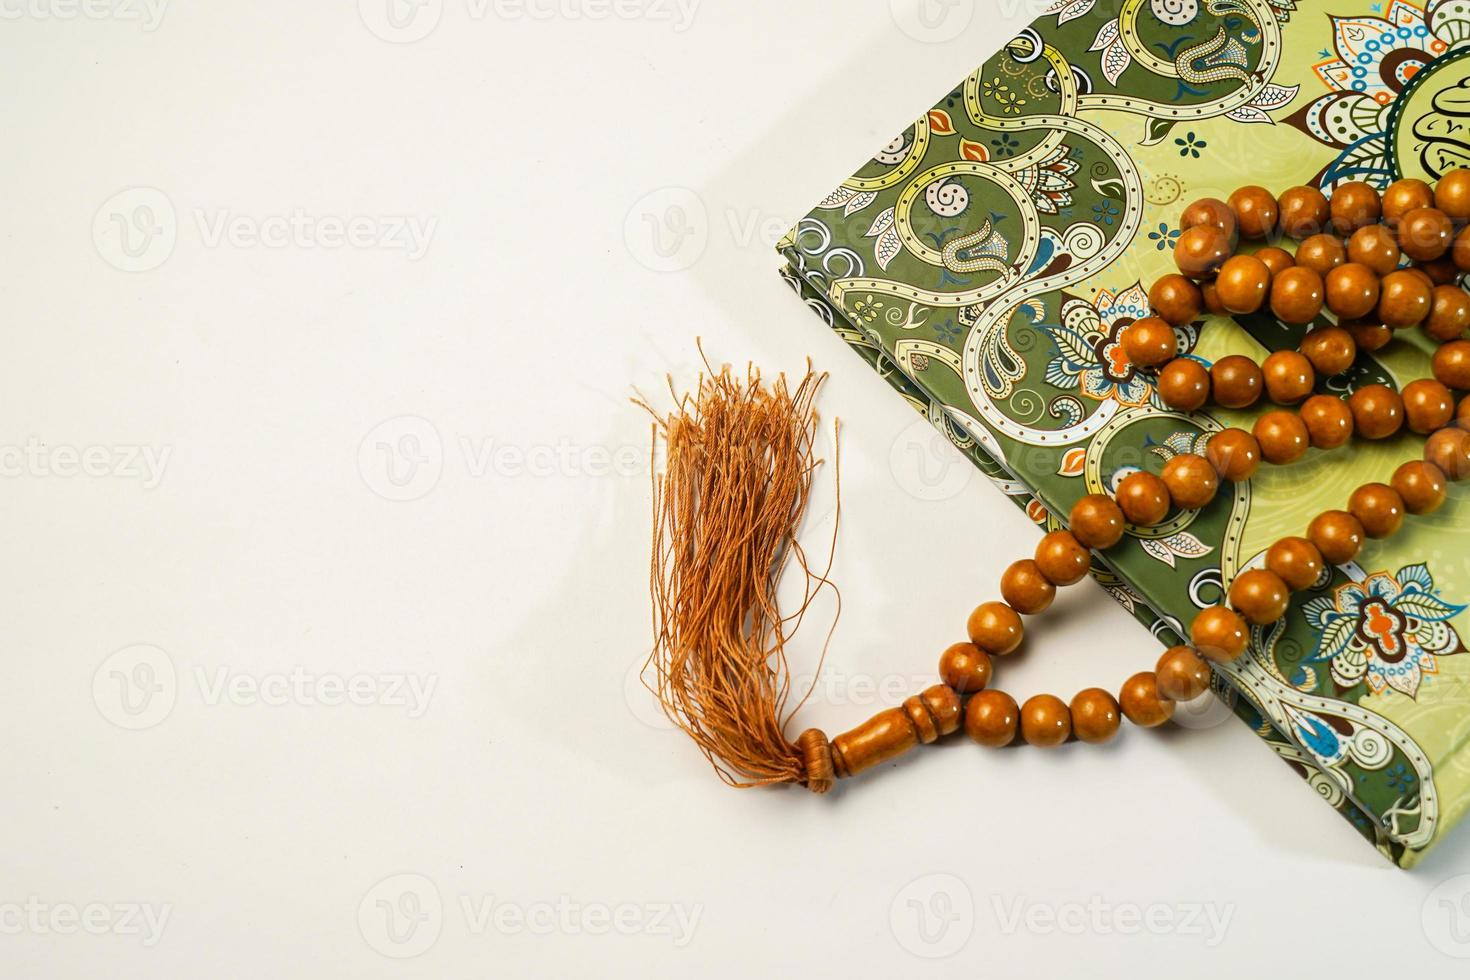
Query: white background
pixel 294 393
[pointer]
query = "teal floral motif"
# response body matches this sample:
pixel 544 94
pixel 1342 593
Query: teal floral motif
pixel 1165 237
pixel 1191 145
pixel 1387 631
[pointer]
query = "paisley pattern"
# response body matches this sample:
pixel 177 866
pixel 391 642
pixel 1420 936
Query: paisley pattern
pixel 1012 228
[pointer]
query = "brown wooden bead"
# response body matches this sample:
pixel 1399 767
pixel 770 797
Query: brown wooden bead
pixel 922 719
pixel 1211 296
pixel 1328 419
pixel 1417 271
pixel 1210 211
pixel 1304 212
pixel 1277 260
pixel 1256 212
pixel 1289 377
pixel 1243 283
pixel 1337 534
pixel 1441 271
pixel 1370 334
pixel 1182 674
pixel 991 719
pixel 1026 589
pixel 1449 449
pixel 1449 313
pixel 1352 290
pixel 1096 716
pixel 1062 558
pixel 1428 406
pixel 1176 299
pixel 1184 384
pixel 1353 205
pixel 995 628
pixel 1378 507
pixel 1331 350
pixel 1297 295
pixel 1460 250
pixel 1378 411
pixel 965 667
pixel 1452 364
pixel 1144 498
pixel 1260 596
pixel 1321 253
pixel 1191 480
pixel 1421 485
pixel 1150 341
pixel 1142 703
pixel 1297 561
pixel 1097 522
pixel 1219 634
pixel 1375 247
pixel 1201 250
pixel 1403 299
pixel 1234 453
pixel 1282 436
pixel 1463 414
pixel 1452 194
pixel 1236 381
pixel 1045 721
pixel 1403 196
pixel 1425 234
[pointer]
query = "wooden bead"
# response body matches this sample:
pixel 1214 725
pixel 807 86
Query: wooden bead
pixel 1375 247
pixel 1449 313
pixel 1421 485
pixel 1442 271
pixel 1352 290
pixel 965 667
pixel 1211 296
pixel 1289 377
pixel 1304 212
pixel 1141 702
pixel 1236 381
pixel 1096 716
pixel 1460 250
pixel 923 718
pixel 1282 436
pixel 1234 453
pixel 1097 522
pixel 1184 384
pixel 991 719
pixel 1403 196
pixel 1191 480
pixel 1403 299
pixel 1417 271
pixel 1201 250
pixel 995 628
pixel 1378 507
pixel 1337 534
pixel 1150 342
pixel 1425 234
pixel 1331 350
pixel 1463 414
pixel 1209 211
pixel 1260 596
pixel 1045 721
pixel 1297 561
pixel 1256 212
pixel 1243 283
pixel 1370 334
pixel 1297 295
pixel 1276 259
pixel 1354 204
pixel 1428 406
pixel 1328 419
pixel 1321 253
pixel 1219 634
pixel 1062 558
pixel 1449 449
pixel 1182 674
pixel 1452 194
pixel 1026 589
pixel 1378 411
pixel 1452 364
pixel 1176 299
pixel 1144 498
